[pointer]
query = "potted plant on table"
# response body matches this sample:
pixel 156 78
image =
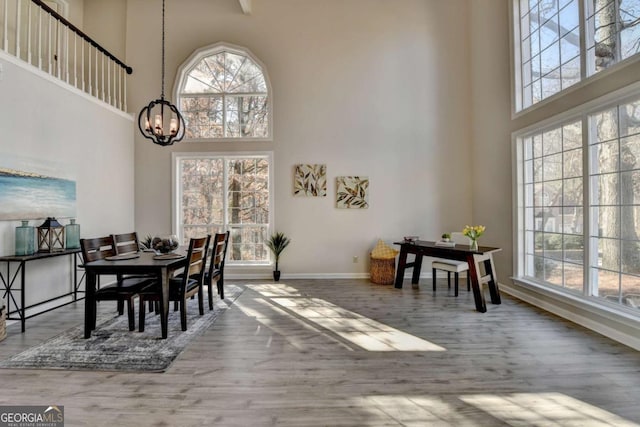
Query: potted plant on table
pixel 277 243
pixel 446 237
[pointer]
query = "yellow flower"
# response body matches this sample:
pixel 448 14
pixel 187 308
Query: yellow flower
pixel 473 231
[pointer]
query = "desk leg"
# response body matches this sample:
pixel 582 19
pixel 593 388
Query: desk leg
pixel 164 303
pixel 89 304
pixel 490 269
pixel 417 266
pixel 402 264
pixel 478 296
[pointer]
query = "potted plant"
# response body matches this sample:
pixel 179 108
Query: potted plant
pixel 277 243
pixel 446 237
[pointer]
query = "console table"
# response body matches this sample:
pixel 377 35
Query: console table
pixel 12 280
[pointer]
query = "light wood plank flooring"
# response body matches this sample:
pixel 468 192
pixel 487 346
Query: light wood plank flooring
pixel 295 354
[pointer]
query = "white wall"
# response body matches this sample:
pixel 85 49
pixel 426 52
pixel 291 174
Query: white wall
pixel 105 22
pixel 491 127
pixel 48 121
pixel 370 87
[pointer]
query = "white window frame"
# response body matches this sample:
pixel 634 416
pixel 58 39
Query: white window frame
pixel 586 77
pixel 582 112
pixel 176 193
pixel 213 49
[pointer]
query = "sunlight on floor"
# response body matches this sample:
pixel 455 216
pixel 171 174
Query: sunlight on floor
pixel 265 319
pixel 518 409
pixel 362 331
pixel 415 411
pixel 544 409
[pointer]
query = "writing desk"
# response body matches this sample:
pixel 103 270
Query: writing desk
pixel 474 258
pixel 10 284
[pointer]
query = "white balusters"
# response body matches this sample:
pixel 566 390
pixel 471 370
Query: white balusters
pixel 102 75
pixel 89 79
pixel 40 38
pixel 18 26
pixel 5 26
pixel 54 46
pixel 29 32
pixel 82 65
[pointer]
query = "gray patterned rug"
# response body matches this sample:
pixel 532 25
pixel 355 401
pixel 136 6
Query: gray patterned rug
pixel 112 347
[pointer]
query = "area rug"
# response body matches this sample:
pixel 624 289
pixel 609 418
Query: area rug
pixel 112 347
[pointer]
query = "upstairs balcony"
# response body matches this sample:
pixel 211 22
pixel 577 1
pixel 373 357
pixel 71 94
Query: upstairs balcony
pixel 33 32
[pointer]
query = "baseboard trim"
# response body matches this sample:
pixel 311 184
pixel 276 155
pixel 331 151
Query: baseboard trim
pixel 610 323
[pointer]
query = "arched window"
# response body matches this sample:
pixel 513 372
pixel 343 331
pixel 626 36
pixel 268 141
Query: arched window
pixel 223 92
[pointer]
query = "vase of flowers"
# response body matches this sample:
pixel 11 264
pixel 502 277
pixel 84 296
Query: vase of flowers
pixel 473 232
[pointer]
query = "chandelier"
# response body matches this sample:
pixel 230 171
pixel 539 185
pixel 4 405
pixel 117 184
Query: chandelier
pixel 153 119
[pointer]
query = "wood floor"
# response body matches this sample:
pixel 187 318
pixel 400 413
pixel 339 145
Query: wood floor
pixel 330 353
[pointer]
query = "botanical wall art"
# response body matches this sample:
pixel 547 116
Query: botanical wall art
pixel 29 190
pixel 310 180
pixel 352 192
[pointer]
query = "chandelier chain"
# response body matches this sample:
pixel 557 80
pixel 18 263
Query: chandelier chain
pixel 162 95
pixel 153 119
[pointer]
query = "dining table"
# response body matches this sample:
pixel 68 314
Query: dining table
pixel 140 263
pixel 475 257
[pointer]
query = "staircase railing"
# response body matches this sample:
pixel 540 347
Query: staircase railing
pixel 40 36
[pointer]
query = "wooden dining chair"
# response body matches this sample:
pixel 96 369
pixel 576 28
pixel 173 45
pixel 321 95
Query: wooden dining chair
pixel 128 243
pixel 183 286
pixel 215 272
pixel 124 289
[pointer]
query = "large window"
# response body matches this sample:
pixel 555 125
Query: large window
pixel 552 36
pixel 553 211
pixel 215 193
pixel 548 35
pixel 579 204
pixel 615 203
pixel 613 32
pixel 223 93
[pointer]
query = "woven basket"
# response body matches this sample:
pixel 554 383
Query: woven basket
pixel 3 323
pixel 383 271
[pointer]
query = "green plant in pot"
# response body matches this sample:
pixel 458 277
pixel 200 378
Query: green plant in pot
pixel 277 243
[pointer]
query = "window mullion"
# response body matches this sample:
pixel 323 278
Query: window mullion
pixel 225 194
pixel 582 14
pixel 619 198
pixel 224 115
pixel 618 24
pixel 587 225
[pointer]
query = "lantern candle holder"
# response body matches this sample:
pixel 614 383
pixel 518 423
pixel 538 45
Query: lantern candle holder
pixel 50 236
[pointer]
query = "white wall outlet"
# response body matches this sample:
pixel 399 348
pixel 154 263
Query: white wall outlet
pixel 355 259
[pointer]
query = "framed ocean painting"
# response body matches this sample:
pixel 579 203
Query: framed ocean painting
pixel 29 190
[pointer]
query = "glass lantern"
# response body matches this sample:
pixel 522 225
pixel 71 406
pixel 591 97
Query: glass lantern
pixel 50 236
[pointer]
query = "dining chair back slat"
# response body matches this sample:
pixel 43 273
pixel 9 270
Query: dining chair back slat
pixel 216 266
pixel 97 248
pixel 126 242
